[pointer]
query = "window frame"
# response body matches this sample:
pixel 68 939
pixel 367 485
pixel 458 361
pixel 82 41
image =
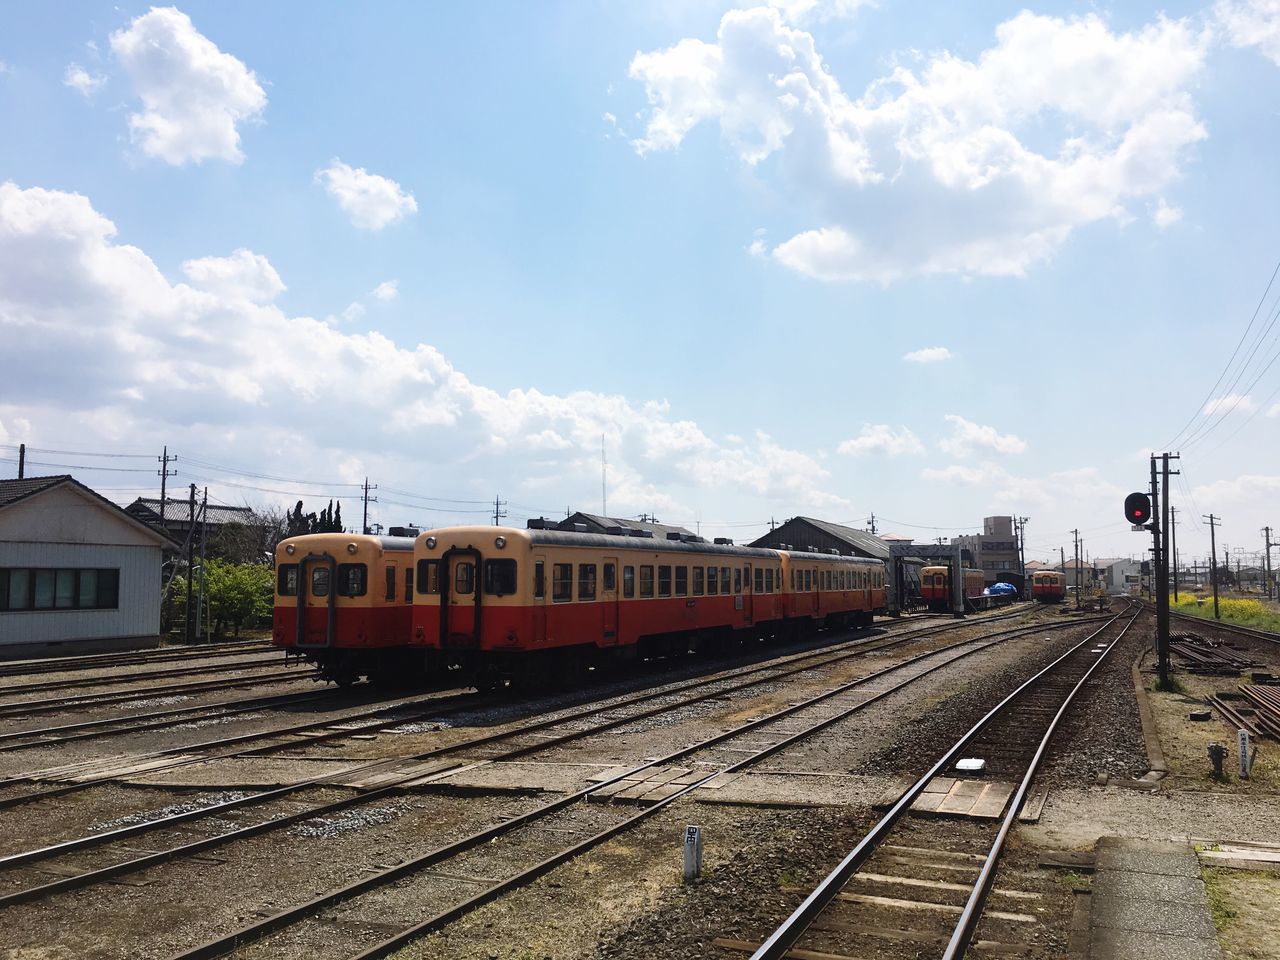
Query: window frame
pixel 664 574
pixel 562 577
pixel 508 570
pixel 587 577
pixel 647 579
pixel 628 582
pixel 682 580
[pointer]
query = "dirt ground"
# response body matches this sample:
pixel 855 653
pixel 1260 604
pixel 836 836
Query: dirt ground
pixel 1246 911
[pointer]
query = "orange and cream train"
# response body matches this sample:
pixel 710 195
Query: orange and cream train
pixel 1048 586
pixel 503 603
pixel 344 602
pixel 935 588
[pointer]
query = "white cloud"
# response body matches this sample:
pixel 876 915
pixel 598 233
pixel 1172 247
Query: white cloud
pixel 193 95
pixel 372 202
pixel 78 78
pixel 1249 489
pixel 387 290
pixel 1230 403
pixel 1080 485
pixel 927 355
pixel 353 312
pixel 820 10
pixel 933 170
pixel 883 439
pixel 95 335
pixel 1251 23
pixel 5 68
pixel 244 275
pixel 967 436
pixel 1165 215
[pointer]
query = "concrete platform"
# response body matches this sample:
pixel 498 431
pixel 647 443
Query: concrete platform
pixel 1149 903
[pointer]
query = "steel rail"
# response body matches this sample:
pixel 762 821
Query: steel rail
pixel 286 917
pixel 21 668
pixel 395 786
pixel 55 704
pixel 822 658
pixel 266 659
pixel 789 932
pixel 1253 632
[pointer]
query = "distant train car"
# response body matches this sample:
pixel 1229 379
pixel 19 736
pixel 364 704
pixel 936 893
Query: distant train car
pixel 344 602
pixel 935 588
pixel 1048 586
pixel 502 604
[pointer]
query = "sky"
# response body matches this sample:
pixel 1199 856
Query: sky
pixel 833 258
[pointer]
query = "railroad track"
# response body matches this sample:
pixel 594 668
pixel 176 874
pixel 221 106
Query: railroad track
pixel 80 683
pixel 95 661
pixel 892 874
pixel 526 836
pixel 477 751
pixel 1229 627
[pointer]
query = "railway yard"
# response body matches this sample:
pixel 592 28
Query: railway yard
pixel 217 802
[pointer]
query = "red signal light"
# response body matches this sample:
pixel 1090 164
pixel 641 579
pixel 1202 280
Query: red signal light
pixel 1137 508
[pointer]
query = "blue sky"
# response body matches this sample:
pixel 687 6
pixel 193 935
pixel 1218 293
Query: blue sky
pixel 712 233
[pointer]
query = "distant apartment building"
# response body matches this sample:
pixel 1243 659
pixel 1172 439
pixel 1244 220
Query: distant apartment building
pixel 995 550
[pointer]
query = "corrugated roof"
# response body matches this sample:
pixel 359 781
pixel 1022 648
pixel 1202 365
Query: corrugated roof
pixel 866 542
pixel 659 530
pixel 179 511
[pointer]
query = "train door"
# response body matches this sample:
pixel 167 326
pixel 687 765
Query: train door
pixel 748 598
pixel 317 591
pixel 609 602
pixel 540 569
pixel 816 593
pixel 460 598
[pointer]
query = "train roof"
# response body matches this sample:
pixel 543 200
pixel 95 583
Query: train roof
pixel 386 543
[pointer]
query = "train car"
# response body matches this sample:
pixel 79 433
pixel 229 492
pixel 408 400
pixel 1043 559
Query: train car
pixel 1048 586
pixel 344 602
pixel 502 604
pixel 935 588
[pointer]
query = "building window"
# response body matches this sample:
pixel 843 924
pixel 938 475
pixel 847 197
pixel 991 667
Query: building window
pixel 93 588
pixel 561 582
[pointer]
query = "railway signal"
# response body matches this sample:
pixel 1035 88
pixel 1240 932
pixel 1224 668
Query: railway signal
pixel 1137 509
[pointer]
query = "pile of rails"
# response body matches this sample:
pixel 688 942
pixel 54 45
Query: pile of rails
pixel 1266 703
pixel 1201 655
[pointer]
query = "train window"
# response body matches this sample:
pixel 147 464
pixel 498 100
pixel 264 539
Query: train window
pixel 287 580
pixel 352 579
pixel 628 582
pixel 391 584
pixel 499 577
pixel 646 581
pixel 664 581
pixel 698 583
pixel 768 580
pixel 712 587
pixel 539 579
pixel 844 579
pixel 408 584
pixel 737 579
pixel 320 582
pixel 793 578
pixel 561 582
pixel 428 576
pixel 586 581
pixel 464 578
pixel 682 581
pixel 724 580
pixel 610 578
pixel 758 581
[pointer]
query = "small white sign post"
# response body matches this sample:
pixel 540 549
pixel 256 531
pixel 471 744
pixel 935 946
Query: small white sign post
pixel 1242 747
pixel 692 853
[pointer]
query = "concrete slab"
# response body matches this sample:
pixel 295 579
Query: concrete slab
pixel 1150 916
pixel 1130 945
pixel 1149 886
pixel 1148 856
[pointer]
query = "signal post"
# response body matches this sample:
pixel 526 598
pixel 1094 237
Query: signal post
pixel 1141 511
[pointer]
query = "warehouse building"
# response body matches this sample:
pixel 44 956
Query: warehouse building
pixel 76 571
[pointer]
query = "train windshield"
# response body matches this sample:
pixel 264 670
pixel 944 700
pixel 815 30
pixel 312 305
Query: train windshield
pixel 499 577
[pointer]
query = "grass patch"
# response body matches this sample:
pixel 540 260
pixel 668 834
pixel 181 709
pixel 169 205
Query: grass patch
pixel 1246 612
pixel 1219 902
pixel 1074 881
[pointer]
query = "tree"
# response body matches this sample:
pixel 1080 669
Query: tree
pixel 236 593
pixel 337 518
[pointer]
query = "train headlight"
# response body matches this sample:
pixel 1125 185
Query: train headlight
pixel 431 543
pixel 500 542
pixel 289 548
pixel 351 548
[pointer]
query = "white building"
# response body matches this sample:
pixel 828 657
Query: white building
pixel 1119 575
pixel 76 571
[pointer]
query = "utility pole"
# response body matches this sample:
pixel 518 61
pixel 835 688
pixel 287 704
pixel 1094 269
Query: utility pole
pixel 364 523
pixel 22 460
pixel 1213 560
pixel 1062 553
pixel 165 473
pixel 1076 534
pixel 1162 598
pixel 1173 537
pixel 191 527
pixel 873 524
pixel 498 512
pixel 957 585
pixel 204 514
pixel 1021 527
pixel 1266 532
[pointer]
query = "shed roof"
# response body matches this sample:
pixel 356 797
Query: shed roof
pixel 598 524
pixel 179 511
pixel 868 543
pixel 13 490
